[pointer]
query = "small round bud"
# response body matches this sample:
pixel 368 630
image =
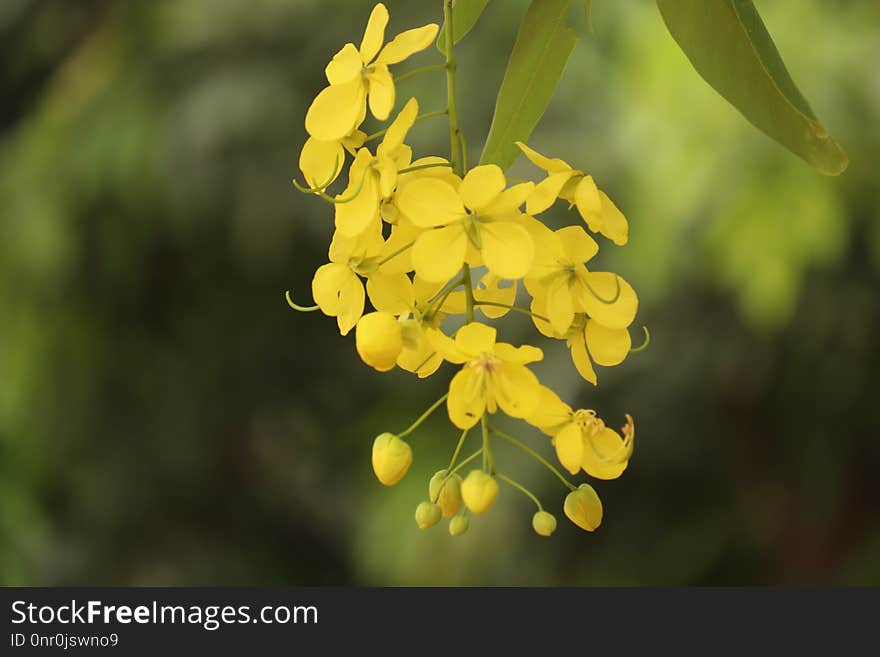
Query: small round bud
pixel 544 523
pixel 584 508
pixel 428 515
pixel 478 491
pixel 458 525
pixel 379 340
pixel 391 458
pixel 449 496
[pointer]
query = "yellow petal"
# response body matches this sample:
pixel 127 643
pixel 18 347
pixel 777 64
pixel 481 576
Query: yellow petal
pixel 351 304
pixel 381 93
pixel 614 224
pixel 374 34
pixel 554 165
pixel 445 346
pixel 607 346
pixel 519 355
pixel 516 389
pixel 489 289
pixel 429 202
pixel 586 197
pixel 547 191
pixel 538 308
pixel 387 170
pixel 569 447
pixel 337 111
pixel 581 358
pixel 618 314
pixel 467 401
pixel 397 131
pixel 439 254
pixel 345 65
pixel 606 455
pixel 408 43
pixel 560 306
pixel 327 282
pixel 475 339
pixel 507 249
pixel 550 413
pixel 321 161
pixel 362 211
pixel 479 491
pixel 401 236
pixel 481 185
pixel 584 508
pixel 577 245
pixel 506 206
pixel 391 293
pixel 379 340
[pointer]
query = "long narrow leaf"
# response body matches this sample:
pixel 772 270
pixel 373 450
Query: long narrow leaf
pixel 729 46
pixel 542 47
pixel 465 14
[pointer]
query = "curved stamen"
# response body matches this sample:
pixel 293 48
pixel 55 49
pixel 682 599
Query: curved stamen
pixel 599 297
pixel 645 344
pixel 296 306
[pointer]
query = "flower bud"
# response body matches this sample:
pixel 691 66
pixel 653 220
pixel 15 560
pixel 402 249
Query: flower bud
pixel 584 508
pixel 458 525
pixel 544 523
pixel 449 496
pixel 478 491
pixel 391 458
pixel 428 515
pixel 379 340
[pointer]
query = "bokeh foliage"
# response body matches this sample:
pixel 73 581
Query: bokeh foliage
pixel 166 419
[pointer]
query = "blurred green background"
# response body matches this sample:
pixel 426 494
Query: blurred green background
pixel 165 419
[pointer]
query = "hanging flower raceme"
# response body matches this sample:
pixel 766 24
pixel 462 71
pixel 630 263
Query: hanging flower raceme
pixel 421 245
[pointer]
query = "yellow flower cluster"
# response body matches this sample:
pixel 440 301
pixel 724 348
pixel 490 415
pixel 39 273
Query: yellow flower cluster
pixel 424 240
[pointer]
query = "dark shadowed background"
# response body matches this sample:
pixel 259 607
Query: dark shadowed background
pixel 166 419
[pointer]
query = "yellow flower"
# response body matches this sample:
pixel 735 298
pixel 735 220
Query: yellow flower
pixel 419 355
pixel 584 508
pixel 494 375
pixel 480 213
pixel 372 179
pixel 321 162
pixel 337 287
pixel 391 458
pixel 379 340
pixel 358 75
pixel 479 491
pixel 594 206
pixel 581 439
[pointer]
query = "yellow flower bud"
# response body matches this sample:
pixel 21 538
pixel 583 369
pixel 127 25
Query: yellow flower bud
pixel 584 508
pixel 458 525
pixel 428 515
pixel 391 458
pixel 544 523
pixel 379 340
pixel 449 496
pixel 479 491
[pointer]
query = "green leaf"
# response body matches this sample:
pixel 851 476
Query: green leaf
pixel 728 45
pixel 465 14
pixel 542 47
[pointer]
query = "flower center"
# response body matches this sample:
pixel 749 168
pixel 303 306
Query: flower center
pixel 486 363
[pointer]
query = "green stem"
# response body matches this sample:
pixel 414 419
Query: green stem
pixel 418 167
pixel 435 304
pixel 296 306
pixel 454 143
pixel 528 450
pixel 522 489
pixel 395 254
pixel 469 292
pixel 424 416
pixel 418 71
pixel 515 309
pixel 457 449
pixel 487 446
